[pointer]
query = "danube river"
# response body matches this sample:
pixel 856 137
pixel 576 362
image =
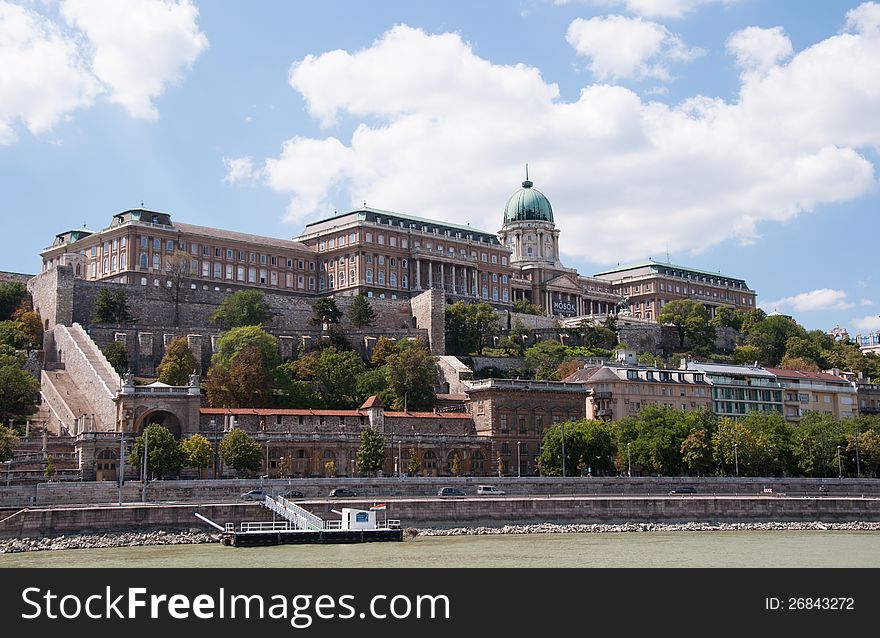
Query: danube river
pixel 632 549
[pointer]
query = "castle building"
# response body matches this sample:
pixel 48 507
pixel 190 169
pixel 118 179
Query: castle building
pixel 388 255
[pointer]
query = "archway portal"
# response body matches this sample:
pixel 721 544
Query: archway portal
pixel 166 419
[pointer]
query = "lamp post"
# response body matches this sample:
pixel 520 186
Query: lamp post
pixel 563 449
pixel 736 457
pixel 281 470
pixel 629 465
pixel 8 465
pixel 839 466
pixel 858 463
pixel 518 461
pixel 267 456
pixel 352 468
pixel 400 458
pixel 146 469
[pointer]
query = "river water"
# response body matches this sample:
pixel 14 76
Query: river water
pixel 630 549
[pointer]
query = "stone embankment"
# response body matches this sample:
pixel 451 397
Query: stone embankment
pixel 99 541
pixel 550 528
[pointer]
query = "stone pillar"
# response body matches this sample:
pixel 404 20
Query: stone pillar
pixel 195 344
pixel 418 274
pixel 453 279
pixel 442 278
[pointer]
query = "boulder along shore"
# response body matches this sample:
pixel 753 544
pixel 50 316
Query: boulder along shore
pixel 137 539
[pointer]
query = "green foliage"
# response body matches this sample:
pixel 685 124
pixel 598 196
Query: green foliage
pixel 241 452
pixel 163 451
pixel 727 317
pixel 8 441
pixel 361 313
pixel 544 359
pixel 178 363
pixel 49 470
pixel 468 326
pixel 325 310
pixel 246 382
pixel 371 453
pixel 760 444
pixel 117 356
pixel 12 335
pixel 332 374
pixel 196 452
pixel 691 320
pixel 383 349
pixel 526 307
pixel 814 444
pixel 375 382
pixel 746 355
pixel 413 467
pixel 111 307
pixel 243 308
pixel 18 390
pixel 234 341
pixel 589 447
pixel 292 392
pixel 598 336
pixel 412 377
pixel 12 294
pixel 770 337
pixel 28 328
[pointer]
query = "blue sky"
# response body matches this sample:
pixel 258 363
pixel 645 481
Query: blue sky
pixel 738 135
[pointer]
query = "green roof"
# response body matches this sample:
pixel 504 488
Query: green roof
pixel 361 212
pixel 662 264
pixel 528 204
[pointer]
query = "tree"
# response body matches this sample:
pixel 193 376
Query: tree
pixel 544 359
pixel 243 308
pixel 696 452
pixel 335 377
pixel 330 467
pixel 412 377
pixel 375 382
pixel 49 470
pixel 598 336
pixel 526 307
pixel 177 270
pixel 727 317
pixel 234 341
pixel 8 441
pixel 293 392
pixel 588 446
pixel 12 294
pixel 12 335
pixel 246 382
pixel 196 452
pixel 178 363
pixel 19 391
pixel 163 451
pixel 324 311
pixel 746 355
pixel 117 356
pixel 241 452
pixel 383 349
pixel 30 325
pixel 413 467
pixel 814 443
pixel 371 453
pixel 468 325
pixel 111 307
pixel 691 320
pixel 361 313
pixel 770 336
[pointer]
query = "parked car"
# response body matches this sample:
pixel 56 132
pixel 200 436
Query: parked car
pixel 451 491
pixel 254 495
pixel 489 490
pixel 341 492
pixel 293 494
pixel 685 489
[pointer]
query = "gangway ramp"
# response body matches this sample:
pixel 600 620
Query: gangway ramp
pixel 300 518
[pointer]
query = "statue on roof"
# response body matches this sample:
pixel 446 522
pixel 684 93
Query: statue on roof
pixel 623 307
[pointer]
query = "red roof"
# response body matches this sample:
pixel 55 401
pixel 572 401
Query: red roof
pixel 372 402
pixel 309 411
pixel 804 374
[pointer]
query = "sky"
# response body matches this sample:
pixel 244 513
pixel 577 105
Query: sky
pixel 738 136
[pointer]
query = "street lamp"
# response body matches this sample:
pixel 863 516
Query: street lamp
pixel 839 466
pixel 518 462
pixel 400 458
pixel 736 457
pixel 281 470
pixel 563 449
pixel 267 456
pixel 629 465
pixel 858 463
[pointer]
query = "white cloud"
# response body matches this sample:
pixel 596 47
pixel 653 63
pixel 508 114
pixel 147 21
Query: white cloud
pixel 653 8
pixel 867 324
pixel 627 48
pixel 139 46
pixel 820 299
pixel 440 132
pixel 240 170
pixel 866 302
pixel 758 49
pixel 43 77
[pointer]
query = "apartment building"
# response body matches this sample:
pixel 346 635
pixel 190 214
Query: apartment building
pixel 739 390
pixel 815 392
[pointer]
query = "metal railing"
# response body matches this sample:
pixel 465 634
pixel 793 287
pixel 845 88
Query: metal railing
pixel 299 517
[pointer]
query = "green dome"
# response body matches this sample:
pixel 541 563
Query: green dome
pixel 528 204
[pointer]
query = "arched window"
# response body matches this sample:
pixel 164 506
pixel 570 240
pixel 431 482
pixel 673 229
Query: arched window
pixel 143 261
pixel 478 463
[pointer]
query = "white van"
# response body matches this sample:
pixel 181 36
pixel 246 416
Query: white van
pixel 489 490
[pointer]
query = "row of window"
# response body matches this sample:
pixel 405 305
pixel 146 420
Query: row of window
pixel 664 375
pixel 697 277
pixel 523 426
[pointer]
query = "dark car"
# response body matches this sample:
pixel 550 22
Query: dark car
pixel 254 495
pixel 341 491
pixel 686 489
pixel 451 491
pixel 293 494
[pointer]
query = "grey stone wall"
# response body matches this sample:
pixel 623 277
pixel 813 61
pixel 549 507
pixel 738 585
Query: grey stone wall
pixel 14 276
pixel 429 311
pixel 92 387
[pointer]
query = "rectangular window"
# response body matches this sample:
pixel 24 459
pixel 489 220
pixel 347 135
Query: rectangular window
pixel 229 268
pixel 157 244
pixel 206 251
pixel 228 253
pixel 273 277
pixel 218 270
pixel 503 423
pixel 206 269
pixel 218 252
pixel 263 275
pixel 239 273
pixel 252 275
pixel 311 283
pixel 300 282
pixel 369 238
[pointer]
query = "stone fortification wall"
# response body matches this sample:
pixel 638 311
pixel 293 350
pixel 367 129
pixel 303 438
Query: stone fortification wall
pixel 509 320
pixel 429 312
pixel 87 377
pixel 14 277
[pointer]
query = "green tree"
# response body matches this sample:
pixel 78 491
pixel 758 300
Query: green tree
pixel 234 341
pixel 868 446
pixel 727 317
pixel 49 470
pixel 111 307
pixel 544 359
pixel 8 441
pixel 30 325
pixel 746 355
pixel 12 335
pixel 383 349
pixel 412 377
pixel 293 392
pixel 526 307
pixel 371 453
pixel 178 363
pixel 241 452
pixel 196 452
pixel 696 452
pixel 691 321
pixel 589 446
pixel 752 317
pixel 805 349
pixel 814 444
pixel 246 382
pixel 468 326
pixel 375 382
pixel 333 374
pixel 243 308
pixel 177 271
pixel 117 356
pixel 12 294
pixel 163 451
pixel 325 310
pixel 361 313
pixel 413 467
pixel 598 336
pixel 770 337
pixel 20 389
